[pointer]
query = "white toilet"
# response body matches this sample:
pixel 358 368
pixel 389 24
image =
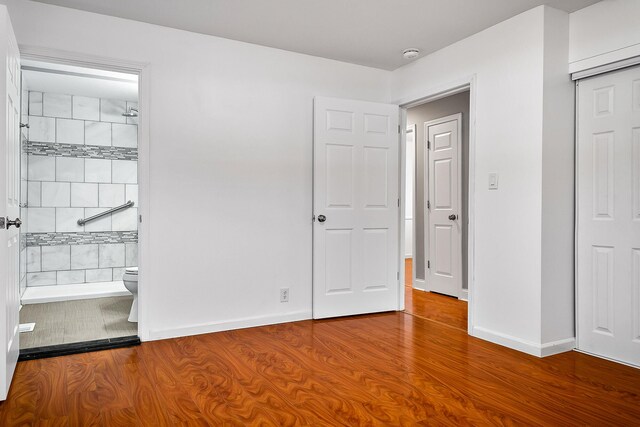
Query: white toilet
pixel 130 279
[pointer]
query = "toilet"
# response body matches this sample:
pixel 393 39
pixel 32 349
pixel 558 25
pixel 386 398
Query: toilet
pixel 130 279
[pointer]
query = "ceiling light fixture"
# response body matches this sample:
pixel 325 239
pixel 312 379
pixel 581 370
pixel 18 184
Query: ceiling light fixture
pixel 410 53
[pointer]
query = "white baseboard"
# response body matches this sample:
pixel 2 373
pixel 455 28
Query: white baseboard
pixel 53 293
pixel 464 294
pixel 227 325
pixel 420 284
pixel 529 347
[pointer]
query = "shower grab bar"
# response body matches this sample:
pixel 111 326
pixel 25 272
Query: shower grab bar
pixel 101 214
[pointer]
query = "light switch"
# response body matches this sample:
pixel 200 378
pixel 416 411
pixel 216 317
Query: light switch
pixel 493 181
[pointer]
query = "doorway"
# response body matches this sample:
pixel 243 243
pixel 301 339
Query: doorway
pixel 79 191
pixel 437 210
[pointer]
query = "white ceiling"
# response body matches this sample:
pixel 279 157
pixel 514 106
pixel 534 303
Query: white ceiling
pixel 366 32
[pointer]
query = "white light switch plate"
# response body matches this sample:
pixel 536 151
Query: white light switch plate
pixel 493 181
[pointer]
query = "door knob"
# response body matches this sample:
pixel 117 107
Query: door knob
pixel 322 218
pixel 17 223
pixel 453 217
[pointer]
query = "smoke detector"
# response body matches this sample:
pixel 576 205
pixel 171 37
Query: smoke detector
pixel 410 53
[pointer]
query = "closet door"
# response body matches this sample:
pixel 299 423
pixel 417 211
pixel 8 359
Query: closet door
pixel 608 224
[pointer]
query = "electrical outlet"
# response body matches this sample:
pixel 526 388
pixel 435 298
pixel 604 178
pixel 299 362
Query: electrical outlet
pixel 284 294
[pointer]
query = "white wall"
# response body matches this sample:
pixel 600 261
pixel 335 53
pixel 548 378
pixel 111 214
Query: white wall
pixel 508 63
pixel 604 32
pixel 230 164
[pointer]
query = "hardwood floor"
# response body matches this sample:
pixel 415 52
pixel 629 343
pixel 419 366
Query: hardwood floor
pixel 383 369
pixel 438 308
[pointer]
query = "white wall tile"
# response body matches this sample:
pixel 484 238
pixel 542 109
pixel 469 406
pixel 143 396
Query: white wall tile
pixel 101 224
pixel 111 111
pixel 84 256
pixel 56 257
pixel 70 277
pixel 33 259
pixel 42 168
pixel 110 195
pixel 33 193
pixel 69 131
pixel 70 169
pixel 124 135
pixel 56 195
pixel 97 170
pixel 97 133
pixel 125 220
pixel 132 120
pixel 131 254
pixel 85 108
pixel 41 279
pixel 41 220
pixel 35 103
pixel 118 273
pixel 67 220
pixel 125 171
pixel 99 275
pixel 131 193
pixel 84 195
pixel 42 129
pixel 111 255
pixel 56 105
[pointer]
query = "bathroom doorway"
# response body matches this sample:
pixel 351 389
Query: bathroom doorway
pixel 79 205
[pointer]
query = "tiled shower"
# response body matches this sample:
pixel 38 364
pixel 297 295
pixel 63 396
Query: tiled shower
pixel 81 160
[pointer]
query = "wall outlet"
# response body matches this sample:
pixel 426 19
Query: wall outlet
pixel 284 294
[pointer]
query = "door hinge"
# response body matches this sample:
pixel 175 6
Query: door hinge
pixel 428 145
pixel 428 264
pixel 398 201
pixel 428 204
pixel 398 275
pixel 398 128
pixel 140 218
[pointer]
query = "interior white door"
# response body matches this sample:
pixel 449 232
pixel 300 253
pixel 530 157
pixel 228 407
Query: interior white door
pixel 608 223
pixel 444 231
pixel 356 206
pixel 10 194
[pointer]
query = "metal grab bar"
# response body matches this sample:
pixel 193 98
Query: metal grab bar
pixel 101 214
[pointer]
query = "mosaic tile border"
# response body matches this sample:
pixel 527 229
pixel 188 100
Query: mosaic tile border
pixel 80 151
pixel 87 238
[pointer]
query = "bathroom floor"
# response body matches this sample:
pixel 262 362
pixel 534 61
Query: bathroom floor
pixel 76 321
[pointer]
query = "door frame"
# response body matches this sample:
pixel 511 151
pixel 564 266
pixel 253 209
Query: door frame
pixel 427 187
pixel 422 97
pixel 142 70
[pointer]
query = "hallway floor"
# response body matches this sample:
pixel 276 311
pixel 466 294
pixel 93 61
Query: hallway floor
pixel 77 321
pixel 431 306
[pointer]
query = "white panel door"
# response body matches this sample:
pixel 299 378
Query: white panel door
pixel 356 206
pixel 444 231
pixel 10 196
pixel 608 248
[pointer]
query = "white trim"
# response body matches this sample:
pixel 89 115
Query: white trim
pixel 613 66
pixel 228 325
pixel 532 348
pixel 605 58
pixel 421 97
pixel 144 88
pixel 419 284
pixel 464 295
pixel 42 294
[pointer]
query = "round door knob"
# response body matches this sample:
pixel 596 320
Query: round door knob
pixel 322 218
pixel 453 217
pixel 16 223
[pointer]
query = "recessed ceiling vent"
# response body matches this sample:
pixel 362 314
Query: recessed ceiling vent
pixel 410 53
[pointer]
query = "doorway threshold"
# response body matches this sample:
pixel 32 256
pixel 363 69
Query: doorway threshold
pixel 77 347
